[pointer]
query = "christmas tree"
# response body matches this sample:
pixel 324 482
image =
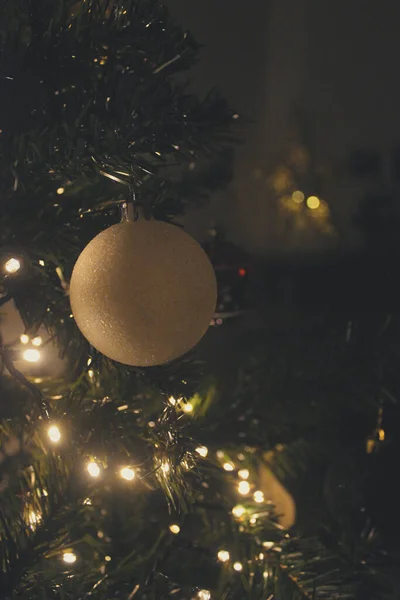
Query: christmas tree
pixel 119 481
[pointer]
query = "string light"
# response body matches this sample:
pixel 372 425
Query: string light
pixel 127 473
pixel 107 558
pixel 202 450
pixel 31 355
pixel 298 197
pixel 204 595
pixel 24 338
pixel 261 556
pixel 60 191
pixel 172 401
pixel 188 408
pixel 258 496
pixel 69 557
pixel 87 502
pixel 244 473
pixel 244 488
pixel 228 466
pixel 313 202
pixel 37 341
pixel 238 511
pixel 175 529
pixel 93 469
pixel 34 518
pixel 54 434
pixel 238 566
pixel 12 265
pixel 41 263
pixel 223 555
pixel 165 468
pixel 91 373
pixel 268 545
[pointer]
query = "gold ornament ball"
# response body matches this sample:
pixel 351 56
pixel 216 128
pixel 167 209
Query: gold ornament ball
pixel 143 293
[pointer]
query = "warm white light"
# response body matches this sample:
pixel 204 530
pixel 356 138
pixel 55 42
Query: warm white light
pixel 60 191
pixel 238 511
pixel 223 555
pixel 244 488
pixel 268 545
pixel 238 566
pixel 31 355
pixel 165 467
pixel 107 558
pixel 265 574
pixel 298 197
pixel 172 401
pixel 24 338
pixel 244 473
pixel 87 502
pixel 228 466
pixel 33 518
pixel 91 373
pixel 127 473
pixel 54 434
pixel 258 496
pixel 202 450
pixel 220 454
pixel 253 520
pixel 37 341
pixel 41 263
pixel 188 408
pixel 204 595
pixel 93 469
pixel 69 557
pixel 313 202
pixel 174 529
pixel 261 556
pixel 12 265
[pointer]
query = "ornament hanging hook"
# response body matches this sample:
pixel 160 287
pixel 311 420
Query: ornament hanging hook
pixel 130 208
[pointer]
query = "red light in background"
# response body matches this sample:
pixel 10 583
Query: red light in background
pixel 242 272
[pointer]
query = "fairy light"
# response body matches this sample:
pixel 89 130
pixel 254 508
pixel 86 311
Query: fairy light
pixel 268 545
pixel 238 566
pixel 165 467
pixel 228 466
pixel 244 488
pixel 258 496
pixel 41 263
pixel 172 401
pixel 238 511
pixel 244 473
pixel 188 408
pixel 175 529
pixel 204 595
pixel 12 265
pixel 107 558
pixel 33 518
pixel 261 556
pixel 31 355
pixel 223 555
pixel 87 502
pixel 69 557
pixel 54 434
pixel 313 202
pixel 37 341
pixel 202 450
pixel 60 191
pixel 298 197
pixel 24 338
pixel 93 469
pixel 127 473
pixel 91 373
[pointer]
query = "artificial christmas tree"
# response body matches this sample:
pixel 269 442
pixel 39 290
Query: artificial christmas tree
pixel 120 482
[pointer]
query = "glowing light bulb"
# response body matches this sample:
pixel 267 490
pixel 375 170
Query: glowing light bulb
pixel 12 265
pixel 268 545
pixel 69 557
pixel 91 373
pixel 41 263
pixel 258 496
pixel 127 473
pixel 165 467
pixel 244 473
pixel 37 341
pixel 238 511
pixel 60 191
pixel 202 450
pixel 298 197
pixel 238 566
pixel 174 529
pixel 223 555
pixel 87 502
pixel 228 466
pixel 204 595
pixel 261 556
pixel 107 558
pixel 33 518
pixel 313 202
pixel 172 401
pixel 244 488
pixel 54 434
pixel 93 469
pixel 188 408
pixel 31 355
pixel 24 338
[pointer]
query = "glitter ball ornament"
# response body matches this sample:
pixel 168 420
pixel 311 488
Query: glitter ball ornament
pixel 143 292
